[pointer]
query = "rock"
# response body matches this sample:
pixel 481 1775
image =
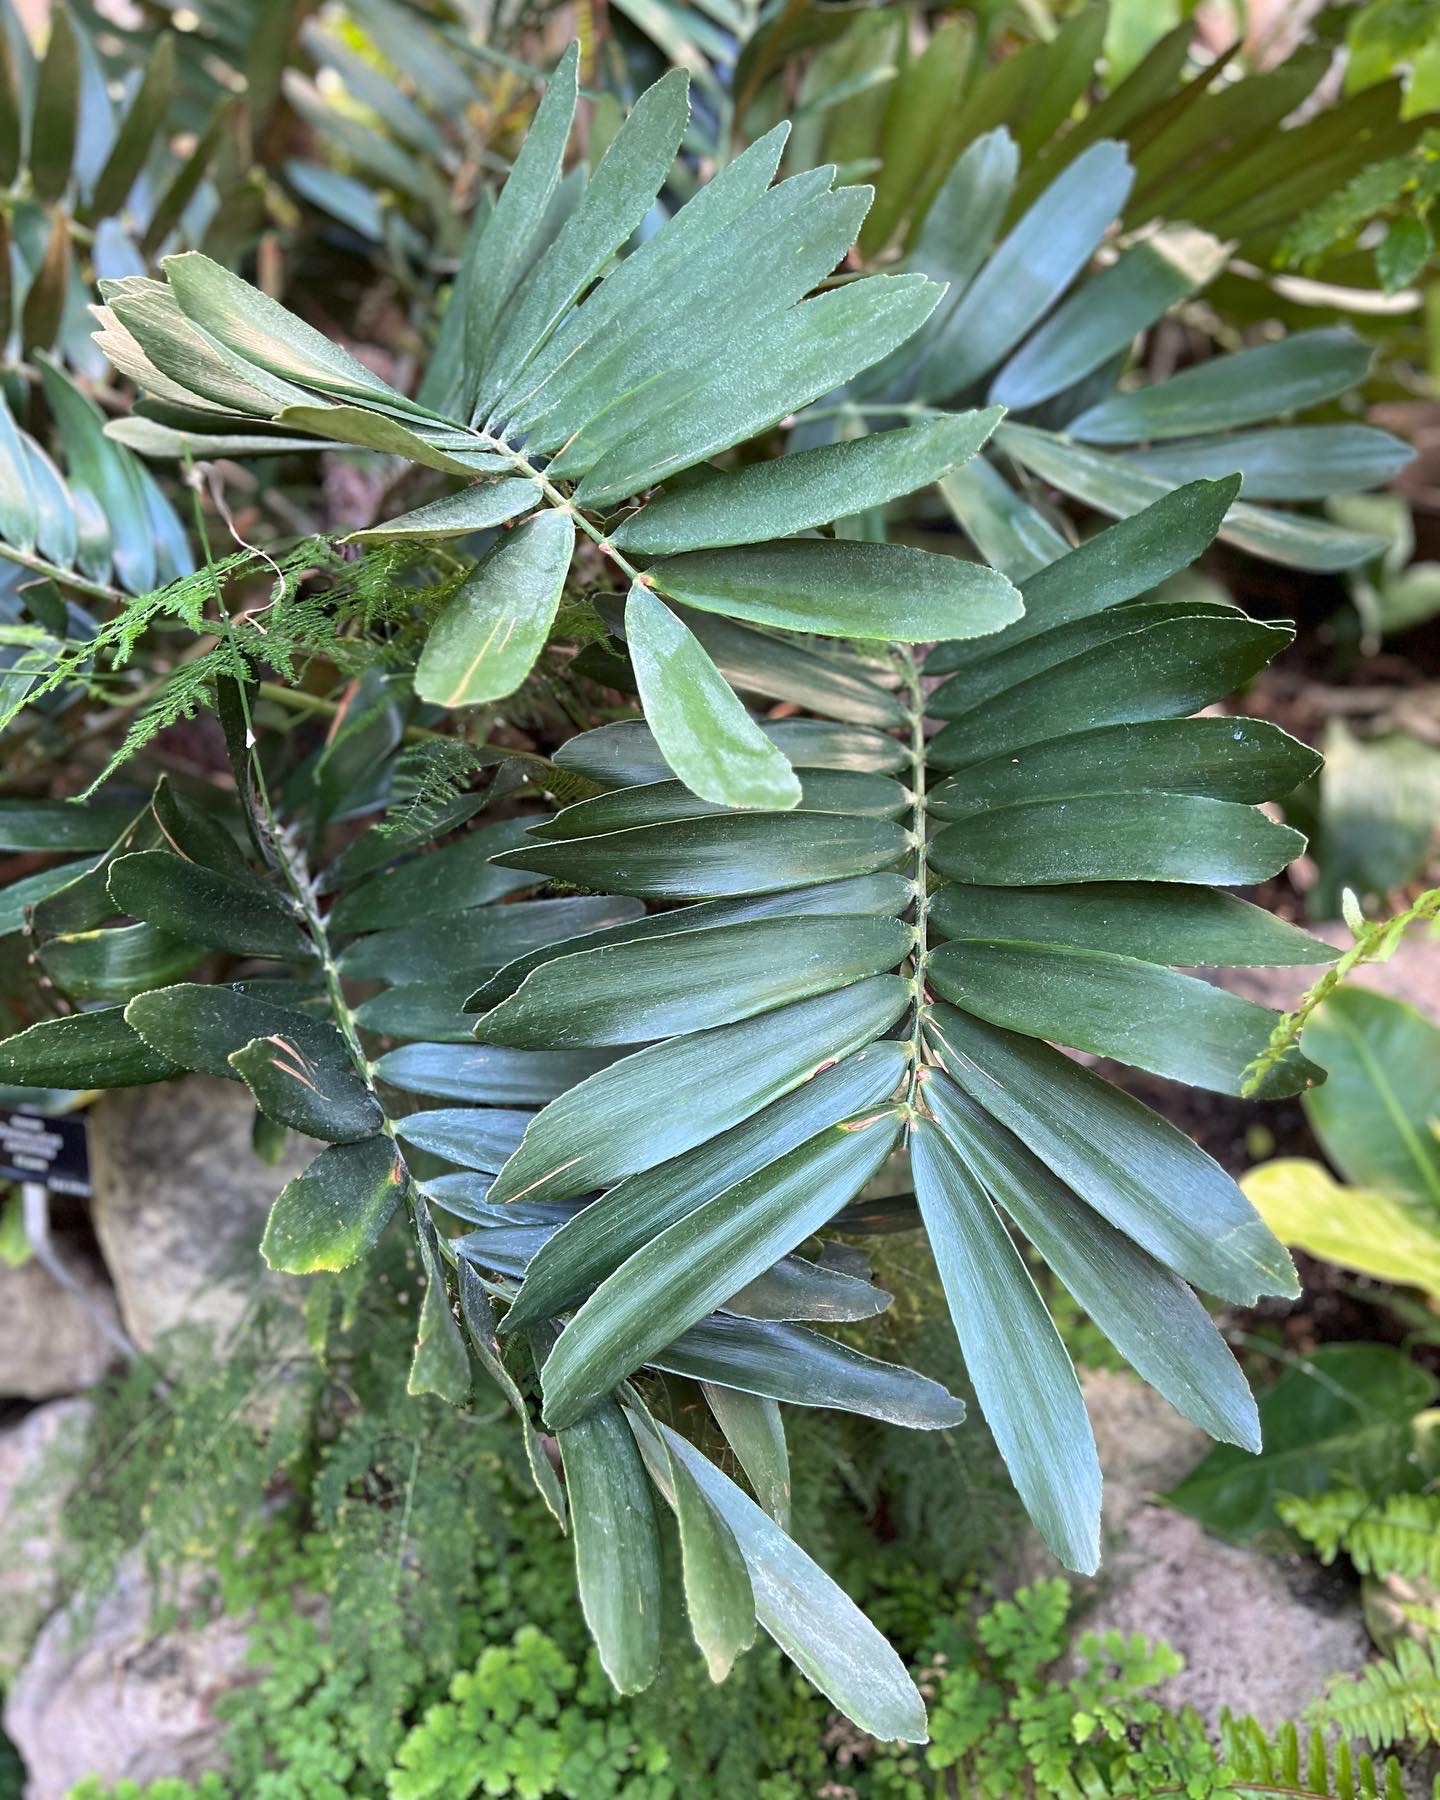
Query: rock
pixel 39 1460
pixel 51 1340
pixel 180 1203
pixel 1224 1608
pixel 1412 973
pixel 100 1695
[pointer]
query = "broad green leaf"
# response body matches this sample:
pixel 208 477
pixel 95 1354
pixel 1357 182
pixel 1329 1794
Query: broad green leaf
pixel 479 1320
pixel 107 474
pixel 794 493
pixel 17 899
pixel 747 853
pixel 702 730
pixel 820 679
pixel 1163 669
pixel 1010 534
pixel 477 941
pixel 1116 837
pixel 1101 318
pixel 170 206
pixel 620 192
pixel 789 361
pixel 617 1544
pixel 1343 1411
pixel 1013 1353
pixel 264 333
pixel 428 1011
pixel 785 1362
pixel 755 1431
pixel 1288 462
pixel 626 1117
pixel 200 1025
pixel 718 1599
pixel 441 1363
pixel 485 642
pixel 795 1289
pixel 632 993
pixel 1378 1114
pixel 57 825
pixel 377 431
pixel 822 1631
pixel 689 1269
pixel 82 1050
pixel 195 834
pixel 143 120
pixel 474 1137
pixel 1148 1313
pixel 626 754
pixel 55 110
pixel 478 508
pixel 1224 758
pixel 1135 1012
pixel 921 103
pixel 662 802
pixel 117 963
pixel 333 1213
pixel 488 1077
pixel 1121 488
pixel 1389 1235
pixel 1032 267
pixel 958 227
pixel 844 589
pixel 1148 1179
pixel 207 907
pixel 1243 388
pixel 18 515
pixel 324 1096
pixel 438 884
pixel 598 1239
pixel 1193 927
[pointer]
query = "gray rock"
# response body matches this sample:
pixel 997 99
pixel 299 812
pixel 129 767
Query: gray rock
pixel 39 1461
pixel 52 1341
pixel 1224 1608
pixel 100 1695
pixel 180 1203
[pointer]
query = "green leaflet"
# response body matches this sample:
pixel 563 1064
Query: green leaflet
pixel 487 1077
pixel 626 754
pixel 200 1025
pixel 82 1050
pixel 54 121
pixel 477 508
pixel 687 1270
pixel 109 475
pixel 789 361
pixel 480 940
pixel 1192 927
pixel 1240 389
pixel 795 1288
pixel 1248 760
pixel 617 1544
pixel 844 589
pixel 662 802
pixel 323 1096
pixel 19 897
pixel 428 1011
pixel 631 993
pixel 822 1631
pixel 438 884
pixel 1376 1116
pixel 1116 1006
pixel 1114 837
pixel 822 678
pixel 1013 1353
pixel 755 1431
pixel 1377 1231
pixel 473 1137
pixel 598 1239
pixel 1162 669
pixel 485 642
pixel 440 1364
pixel 112 965
pixel 722 854
pixel 1148 1313
pixel 333 1213
pixel 1148 1179
pixel 623 1119
pixel 197 903
pixel 785 1362
pixel 798 492
pixel 718 1599
pixel 56 825
pixel 1030 269
pixel 702 730
pixel 1288 462
pixel 479 1320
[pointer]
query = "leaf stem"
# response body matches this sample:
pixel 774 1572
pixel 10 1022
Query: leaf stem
pixel 37 565
pixel 910 675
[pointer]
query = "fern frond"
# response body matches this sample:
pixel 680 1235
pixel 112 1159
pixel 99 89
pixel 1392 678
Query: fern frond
pixel 1301 1767
pixel 1398 1535
pixel 1391 1700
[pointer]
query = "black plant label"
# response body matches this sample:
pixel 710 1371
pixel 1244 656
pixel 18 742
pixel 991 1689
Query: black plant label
pixel 53 1152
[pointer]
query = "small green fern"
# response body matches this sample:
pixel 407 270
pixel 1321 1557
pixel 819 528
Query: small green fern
pixel 1389 1701
pixel 1396 1535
